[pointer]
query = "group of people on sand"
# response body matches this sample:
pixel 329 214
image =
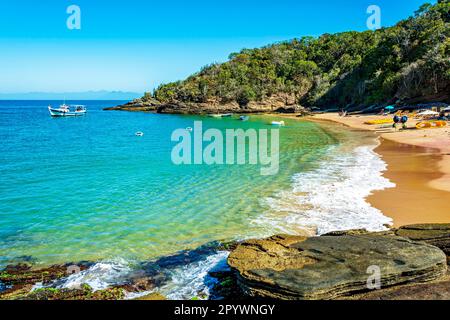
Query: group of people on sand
pixel 400 119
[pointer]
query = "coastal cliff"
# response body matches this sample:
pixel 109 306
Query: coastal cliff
pixel 404 64
pixel 282 103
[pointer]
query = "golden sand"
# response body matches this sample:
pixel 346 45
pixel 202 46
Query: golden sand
pixel 413 200
pixel 418 163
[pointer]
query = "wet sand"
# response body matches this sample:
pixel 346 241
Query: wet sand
pixel 418 163
pixel 413 200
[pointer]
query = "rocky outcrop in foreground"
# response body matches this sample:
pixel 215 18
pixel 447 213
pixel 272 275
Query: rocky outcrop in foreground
pixel 333 265
pixel 412 262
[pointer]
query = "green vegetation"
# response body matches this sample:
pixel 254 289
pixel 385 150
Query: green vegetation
pixel 408 62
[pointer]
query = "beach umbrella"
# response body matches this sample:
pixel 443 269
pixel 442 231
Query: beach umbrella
pixel 447 109
pixel 390 108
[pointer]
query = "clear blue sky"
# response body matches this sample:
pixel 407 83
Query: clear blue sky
pixel 135 45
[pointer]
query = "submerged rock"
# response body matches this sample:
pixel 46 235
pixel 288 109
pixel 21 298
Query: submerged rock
pixel 152 297
pixel 225 287
pixel 19 279
pixel 435 234
pixel 141 104
pixel 84 293
pixel 331 266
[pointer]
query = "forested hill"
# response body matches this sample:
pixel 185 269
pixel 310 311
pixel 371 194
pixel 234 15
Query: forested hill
pixel 406 63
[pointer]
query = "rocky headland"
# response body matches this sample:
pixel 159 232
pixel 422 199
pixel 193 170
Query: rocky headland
pixel 281 103
pixel 139 105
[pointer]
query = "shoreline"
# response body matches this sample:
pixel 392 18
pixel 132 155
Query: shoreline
pixel 388 150
pixel 418 163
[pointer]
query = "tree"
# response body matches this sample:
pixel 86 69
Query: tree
pixel 406 61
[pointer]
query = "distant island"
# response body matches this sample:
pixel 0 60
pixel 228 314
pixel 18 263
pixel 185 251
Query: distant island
pixel 404 64
pixel 87 95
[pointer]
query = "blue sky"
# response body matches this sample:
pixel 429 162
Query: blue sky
pixel 135 45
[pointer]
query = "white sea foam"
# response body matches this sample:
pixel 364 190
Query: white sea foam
pixel 192 280
pixel 331 197
pixel 100 276
pixel 184 282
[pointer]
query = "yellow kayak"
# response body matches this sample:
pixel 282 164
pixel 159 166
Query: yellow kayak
pixel 381 121
pixel 431 124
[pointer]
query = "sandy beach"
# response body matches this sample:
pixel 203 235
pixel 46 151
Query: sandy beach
pixel 418 163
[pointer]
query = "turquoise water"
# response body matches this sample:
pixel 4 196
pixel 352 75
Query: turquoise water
pixel 88 189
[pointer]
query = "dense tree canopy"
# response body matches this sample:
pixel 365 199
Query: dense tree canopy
pixel 405 62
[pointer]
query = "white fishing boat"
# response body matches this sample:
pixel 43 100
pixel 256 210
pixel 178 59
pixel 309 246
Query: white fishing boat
pixel 67 111
pixel 221 115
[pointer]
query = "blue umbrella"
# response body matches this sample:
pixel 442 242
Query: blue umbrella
pixel 390 108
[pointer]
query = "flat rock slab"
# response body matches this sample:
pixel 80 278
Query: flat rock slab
pixel 435 234
pixel 328 267
pixel 424 291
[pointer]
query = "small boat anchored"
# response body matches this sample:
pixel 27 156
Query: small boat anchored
pixel 278 123
pixel 67 111
pixel 221 115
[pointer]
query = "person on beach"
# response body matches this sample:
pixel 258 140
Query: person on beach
pixel 404 120
pixel 396 121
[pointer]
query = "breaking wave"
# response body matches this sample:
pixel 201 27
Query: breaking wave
pixel 332 197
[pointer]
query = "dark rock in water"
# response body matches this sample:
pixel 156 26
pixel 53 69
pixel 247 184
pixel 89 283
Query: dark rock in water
pixel 226 286
pixel 143 105
pixel 435 234
pixel 227 245
pixel 20 278
pixel 328 267
pixel 84 293
pixel 294 109
pixel 24 274
pixel 139 285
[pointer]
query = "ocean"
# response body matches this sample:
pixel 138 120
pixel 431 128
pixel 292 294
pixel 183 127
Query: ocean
pixel 89 189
